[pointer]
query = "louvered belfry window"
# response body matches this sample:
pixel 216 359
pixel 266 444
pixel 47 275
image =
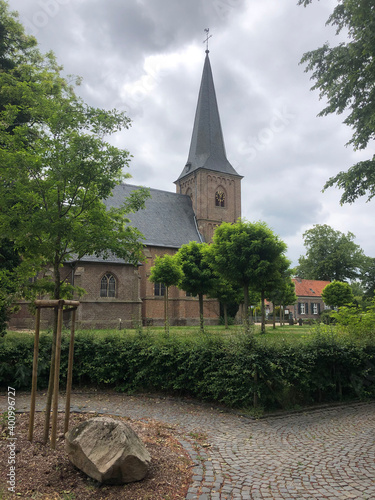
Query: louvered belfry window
pixel 108 286
pixel 220 199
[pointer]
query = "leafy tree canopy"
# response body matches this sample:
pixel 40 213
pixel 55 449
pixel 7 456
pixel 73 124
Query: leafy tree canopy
pixel 15 45
pixel 330 255
pixel 9 262
pixel 166 270
pixel 228 293
pixel 337 294
pixel 57 165
pixel 250 255
pixel 197 275
pixel 246 253
pixel 284 294
pixel 368 277
pixel 345 76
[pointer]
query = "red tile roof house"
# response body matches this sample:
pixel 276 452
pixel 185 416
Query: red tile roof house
pixel 309 303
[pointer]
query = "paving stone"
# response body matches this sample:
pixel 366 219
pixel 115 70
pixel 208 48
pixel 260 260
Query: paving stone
pixel 315 455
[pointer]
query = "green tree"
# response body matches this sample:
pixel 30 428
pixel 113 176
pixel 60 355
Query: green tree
pixel 345 76
pixel 276 282
pixel 368 277
pixel 359 298
pixel 198 276
pixel 10 261
pixel 337 294
pixel 15 44
pixel 16 282
pixel 229 295
pixel 25 73
pixel 356 322
pixel 282 295
pixel 330 255
pixel 57 167
pixel 53 187
pixel 249 255
pixel 254 304
pixel 167 271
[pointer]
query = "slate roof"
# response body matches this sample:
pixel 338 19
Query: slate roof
pixel 112 259
pixel 167 221
pixel 309 288
pixel 207 149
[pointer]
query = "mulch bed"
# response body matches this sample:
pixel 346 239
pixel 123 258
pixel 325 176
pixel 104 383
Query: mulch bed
pixel 43 473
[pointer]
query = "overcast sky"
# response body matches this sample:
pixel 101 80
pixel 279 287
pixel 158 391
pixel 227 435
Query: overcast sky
pixel 146 57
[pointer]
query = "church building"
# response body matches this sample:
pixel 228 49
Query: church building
pixel 208 192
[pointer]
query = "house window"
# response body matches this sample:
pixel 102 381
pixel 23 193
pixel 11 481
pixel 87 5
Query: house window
pixel 220 199
pixel 316 308
pixel 108 286
pixel 159 289
pixel 302 308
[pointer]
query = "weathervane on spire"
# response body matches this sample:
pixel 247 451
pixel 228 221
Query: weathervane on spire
pixel 207 30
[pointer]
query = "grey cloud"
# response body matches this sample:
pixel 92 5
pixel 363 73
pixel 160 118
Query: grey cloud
pixel 254 52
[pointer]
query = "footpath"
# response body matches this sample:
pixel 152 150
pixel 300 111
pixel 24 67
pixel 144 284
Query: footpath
pixel 317 454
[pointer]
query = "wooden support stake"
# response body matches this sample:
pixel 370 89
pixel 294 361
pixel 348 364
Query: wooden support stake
pixel 70 372
pixel 55 400
pixel 35 376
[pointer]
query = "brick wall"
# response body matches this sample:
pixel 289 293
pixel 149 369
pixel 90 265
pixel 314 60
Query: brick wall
pixel 202 186
pixel 134 302
pixel 307 310
pixel 95 311
pixel 182 310
pixel 107 312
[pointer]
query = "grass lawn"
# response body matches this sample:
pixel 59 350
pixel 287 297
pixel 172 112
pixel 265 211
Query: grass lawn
pixel 280 334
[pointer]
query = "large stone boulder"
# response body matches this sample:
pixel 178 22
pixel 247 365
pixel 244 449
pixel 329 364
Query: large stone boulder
pixel 107 450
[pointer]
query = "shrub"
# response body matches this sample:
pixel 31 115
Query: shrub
pixel 355 321
pixel 4 318
pixel 326 317
pixel 236 371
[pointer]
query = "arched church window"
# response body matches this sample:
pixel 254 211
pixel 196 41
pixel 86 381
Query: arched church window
pixel 220 199
pixel 108 286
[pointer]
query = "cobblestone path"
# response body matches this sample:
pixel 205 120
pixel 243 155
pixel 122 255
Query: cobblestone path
pixel 321 454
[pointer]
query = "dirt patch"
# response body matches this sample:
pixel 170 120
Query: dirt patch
pixel 43 473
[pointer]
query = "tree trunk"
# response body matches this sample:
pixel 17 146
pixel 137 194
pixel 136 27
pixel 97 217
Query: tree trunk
pixel 274 315
pixel 56 296
pixel 263 326
pixel 166 314
pixel 201 316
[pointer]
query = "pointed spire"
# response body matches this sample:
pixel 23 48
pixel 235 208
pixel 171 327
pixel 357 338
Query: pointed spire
pixel 207 148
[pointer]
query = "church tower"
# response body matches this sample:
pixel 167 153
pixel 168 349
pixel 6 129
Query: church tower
pixel 208 178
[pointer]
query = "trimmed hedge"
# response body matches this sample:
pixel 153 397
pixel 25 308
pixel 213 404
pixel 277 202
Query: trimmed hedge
pixel 229 370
